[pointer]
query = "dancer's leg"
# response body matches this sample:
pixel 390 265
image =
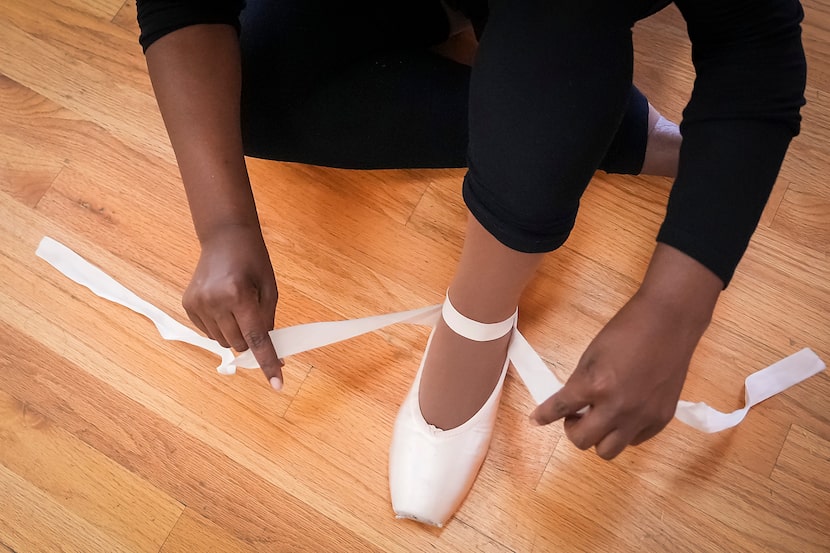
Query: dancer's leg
pixel 490 270
pixel 645 143
pixel 544 111
pixel 487 270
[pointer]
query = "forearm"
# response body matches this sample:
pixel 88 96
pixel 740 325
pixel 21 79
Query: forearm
pixel 681 288
pixel 197 80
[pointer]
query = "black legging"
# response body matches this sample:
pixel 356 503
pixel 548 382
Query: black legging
pixel 550 101
pixel 355 85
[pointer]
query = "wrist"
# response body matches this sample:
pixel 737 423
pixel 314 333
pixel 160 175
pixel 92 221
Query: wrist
pixel 240 230
pixel 221 206
pixel 681 287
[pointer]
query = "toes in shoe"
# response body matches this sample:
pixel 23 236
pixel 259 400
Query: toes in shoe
pixel 431 470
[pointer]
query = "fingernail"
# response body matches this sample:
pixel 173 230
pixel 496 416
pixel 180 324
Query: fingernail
pixel 534 421
pixel 276 383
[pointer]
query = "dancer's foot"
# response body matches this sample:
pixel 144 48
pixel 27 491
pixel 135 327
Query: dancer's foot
pixel 663 146
pixel 458 387
pixel 431 471
pixel 459 376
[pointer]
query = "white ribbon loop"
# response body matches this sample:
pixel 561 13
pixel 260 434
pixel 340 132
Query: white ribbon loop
pixel 759 386
pixel 296 339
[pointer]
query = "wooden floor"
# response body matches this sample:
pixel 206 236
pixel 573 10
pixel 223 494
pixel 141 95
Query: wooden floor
pixel 112 439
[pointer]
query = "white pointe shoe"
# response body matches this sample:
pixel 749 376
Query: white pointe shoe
pixel 431 470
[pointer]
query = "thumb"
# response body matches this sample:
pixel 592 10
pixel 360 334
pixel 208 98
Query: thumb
pixel 572 399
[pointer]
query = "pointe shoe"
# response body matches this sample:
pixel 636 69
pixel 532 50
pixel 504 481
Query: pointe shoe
pixel 431 470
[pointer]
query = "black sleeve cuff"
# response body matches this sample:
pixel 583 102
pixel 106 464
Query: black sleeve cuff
pixel 744 110
pixel 157 18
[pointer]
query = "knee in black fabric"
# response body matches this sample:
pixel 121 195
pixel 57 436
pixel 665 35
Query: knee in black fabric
pixel 627 151
pixel 543 112
pixel 540 224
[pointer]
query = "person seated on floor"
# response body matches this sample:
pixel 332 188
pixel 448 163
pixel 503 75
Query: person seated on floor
pixel 548 101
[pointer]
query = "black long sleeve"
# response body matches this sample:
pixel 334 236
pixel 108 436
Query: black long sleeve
pixel 157 18
pixel 744 110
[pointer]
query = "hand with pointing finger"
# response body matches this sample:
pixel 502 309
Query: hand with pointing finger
pixel 631 375
pixel 232 296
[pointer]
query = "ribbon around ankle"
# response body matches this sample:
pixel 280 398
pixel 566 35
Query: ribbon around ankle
pixel 532 370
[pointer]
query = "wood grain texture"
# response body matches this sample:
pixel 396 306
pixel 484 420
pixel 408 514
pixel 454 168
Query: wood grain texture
pixel 112 439
pixel 82 480
pixel 195 533
pixel 33 521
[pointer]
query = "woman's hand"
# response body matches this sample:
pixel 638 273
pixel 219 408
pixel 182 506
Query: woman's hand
pixel 196 74
pixel 232 296
pixel 632 373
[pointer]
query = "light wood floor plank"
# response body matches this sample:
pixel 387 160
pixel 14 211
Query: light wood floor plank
pixel 27 166
pixel 805 457
pixel 805 215
pixel 802 476
pixel 636 512
pixel 817 42
pixel 103 9
pixel 185 468
pixel 104 358
pixel 195 533
pixel 32 521
pixel 81 480
pixel 88 88
pixel 126 18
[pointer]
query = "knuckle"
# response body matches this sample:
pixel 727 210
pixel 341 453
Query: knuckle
pixel 222 342
pixel 664 415
pixel 604 383
pixel 269 295
pixel 582 444
pixel 641 438
pixel 239 345
pixel 215 290
pixel 670 410
pixel 616 404
pixel 189 301
pixel 558 407
pixel 580 441
pixel 229 291
pixel 256 339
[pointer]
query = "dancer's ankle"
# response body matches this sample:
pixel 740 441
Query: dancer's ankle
pixel 462 367
pixel 485 303
pixel 459 376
